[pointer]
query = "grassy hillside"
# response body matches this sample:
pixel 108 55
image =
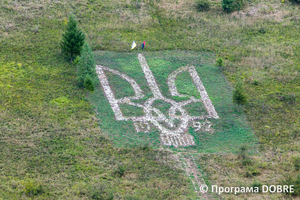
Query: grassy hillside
pixel 48 129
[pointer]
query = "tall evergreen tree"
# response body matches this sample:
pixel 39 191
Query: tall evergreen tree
pixel 239 96
pixel 86 64
pixel 73 39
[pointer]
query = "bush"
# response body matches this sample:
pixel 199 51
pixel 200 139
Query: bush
pixel 295 1
pixel 88 83
pixel 219 62
pixel 76 61
pixel 202 5
pixel 239 96
pixel 86 65
pixel 232 5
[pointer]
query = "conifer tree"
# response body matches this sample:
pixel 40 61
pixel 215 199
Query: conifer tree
pixel 86 65
pixel 239 96
pixel 88 83
pixel 73 39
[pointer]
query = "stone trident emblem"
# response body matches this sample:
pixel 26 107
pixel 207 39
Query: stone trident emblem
pixel 170 134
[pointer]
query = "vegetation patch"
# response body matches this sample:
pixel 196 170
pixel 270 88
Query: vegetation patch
pixel 195 109
pixel 185 85
pixel 131 111
pixel 121 87
pixel 162 106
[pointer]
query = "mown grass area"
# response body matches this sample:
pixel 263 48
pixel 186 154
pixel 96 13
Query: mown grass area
pixel 259 45
pixel 230 131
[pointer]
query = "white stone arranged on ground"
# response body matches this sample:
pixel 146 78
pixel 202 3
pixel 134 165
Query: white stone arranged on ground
pixel 195 175
pixel 170 134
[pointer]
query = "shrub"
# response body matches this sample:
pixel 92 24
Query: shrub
pixel 295 1
pixel 219 62
pixel 76 61
pixel 86 65
pixel 239 96
pixel 88 83
pixel 232 5
pixel 202 5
